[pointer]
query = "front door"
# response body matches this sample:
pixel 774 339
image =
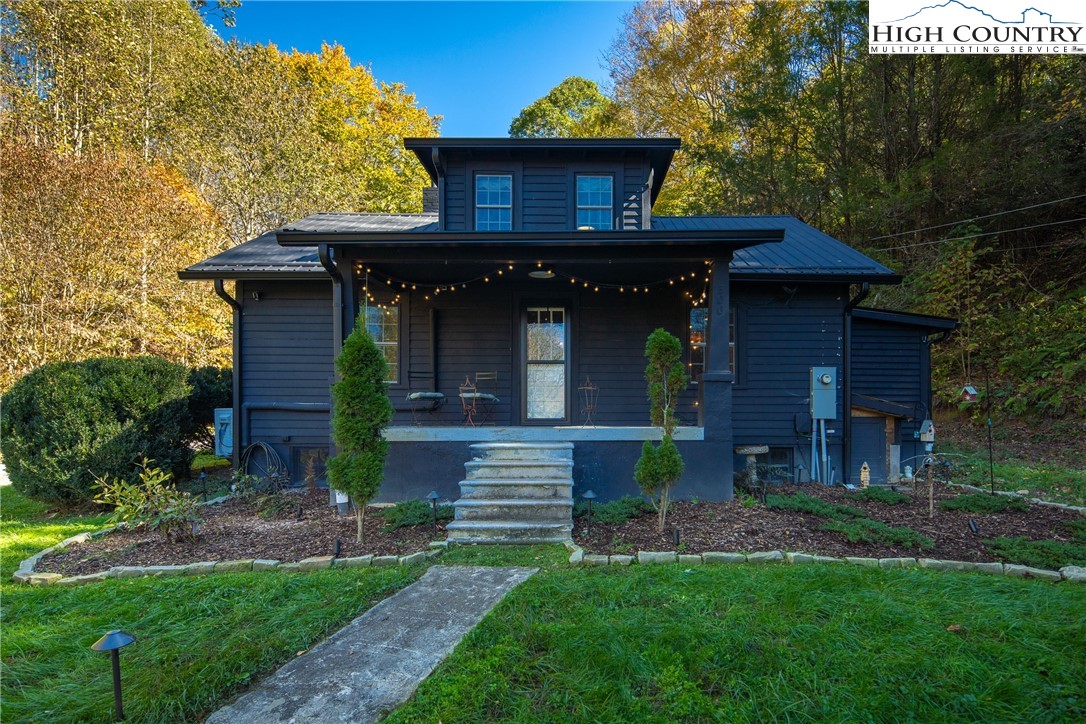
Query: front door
pixel 545 361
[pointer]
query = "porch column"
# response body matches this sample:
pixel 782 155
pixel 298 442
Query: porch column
pixel 716 380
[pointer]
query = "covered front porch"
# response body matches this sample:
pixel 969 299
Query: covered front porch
pixel 544 335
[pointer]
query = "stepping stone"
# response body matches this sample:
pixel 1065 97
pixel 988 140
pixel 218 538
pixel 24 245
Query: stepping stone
pixel 376 662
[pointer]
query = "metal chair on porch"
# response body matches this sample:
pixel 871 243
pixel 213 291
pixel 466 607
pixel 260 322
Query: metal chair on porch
pixel 475 402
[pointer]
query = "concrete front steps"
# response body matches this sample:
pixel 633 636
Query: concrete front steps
pixel 515 493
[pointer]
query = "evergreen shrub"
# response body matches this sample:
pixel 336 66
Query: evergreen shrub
pixel 65 424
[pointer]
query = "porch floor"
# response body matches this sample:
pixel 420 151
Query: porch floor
pixel 570 433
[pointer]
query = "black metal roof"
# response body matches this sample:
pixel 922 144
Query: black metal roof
pixel 658 151
pixel 907 319
pixel 803 253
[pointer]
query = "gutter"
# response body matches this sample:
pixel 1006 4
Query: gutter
pixel 235 372
pixel 846 444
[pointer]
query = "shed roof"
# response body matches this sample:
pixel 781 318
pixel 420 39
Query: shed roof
pixel 908 319
pixel 804 252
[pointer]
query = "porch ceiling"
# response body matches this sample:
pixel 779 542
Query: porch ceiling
pixel 621 272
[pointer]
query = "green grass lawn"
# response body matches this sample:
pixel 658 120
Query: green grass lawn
pixel 655 643
pixel 1048 481
pixel 742 643
pixel 199 640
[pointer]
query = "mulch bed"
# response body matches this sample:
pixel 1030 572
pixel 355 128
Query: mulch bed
pixel 732 527
pixel 233 530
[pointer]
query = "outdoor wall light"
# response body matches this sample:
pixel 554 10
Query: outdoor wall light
pixel 589 496
pixel 113 642
pixel 433 498
pixel 257 296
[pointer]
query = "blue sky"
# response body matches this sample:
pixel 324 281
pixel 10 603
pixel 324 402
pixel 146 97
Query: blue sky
pixel 475 63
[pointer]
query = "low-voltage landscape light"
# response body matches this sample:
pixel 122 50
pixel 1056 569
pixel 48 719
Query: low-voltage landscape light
pixel 113 642
pixel 433 498
pixel 589 496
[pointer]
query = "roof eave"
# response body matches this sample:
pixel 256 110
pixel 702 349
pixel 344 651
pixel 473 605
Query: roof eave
pixel 211 274
pixel 814 276
pixel 908 319
pixel 735 239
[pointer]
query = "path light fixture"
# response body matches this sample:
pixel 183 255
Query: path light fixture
pixel 433 498
pixel 589 496
pixel 113 642
pixel 203 484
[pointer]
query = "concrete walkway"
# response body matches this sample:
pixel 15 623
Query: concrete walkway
pixel 375 663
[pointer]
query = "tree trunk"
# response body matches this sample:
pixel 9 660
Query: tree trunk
pixel 360 519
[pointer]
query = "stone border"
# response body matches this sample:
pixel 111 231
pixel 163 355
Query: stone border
pixel 26 573
pixel 1011 493
pixel 1075 574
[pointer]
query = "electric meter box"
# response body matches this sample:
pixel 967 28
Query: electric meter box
pixel 824 393
pixel 224 432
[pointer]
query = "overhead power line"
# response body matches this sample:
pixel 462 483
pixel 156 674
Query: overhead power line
pixel 977 218
pixel 977 236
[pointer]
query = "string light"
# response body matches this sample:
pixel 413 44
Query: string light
pixel 399 285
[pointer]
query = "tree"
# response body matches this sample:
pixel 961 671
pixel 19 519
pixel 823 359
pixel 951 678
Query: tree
pixel 360 412
pixel 575 108
pixel 659 468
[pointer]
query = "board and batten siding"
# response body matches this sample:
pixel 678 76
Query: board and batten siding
pixel 286 357
pixel 781 335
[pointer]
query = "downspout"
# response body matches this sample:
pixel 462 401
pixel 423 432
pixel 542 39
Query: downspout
pixel 846 443
pixel 235 373
pixel 926 368
pixel 325 256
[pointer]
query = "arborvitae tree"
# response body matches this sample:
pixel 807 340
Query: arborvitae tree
pixel 360 412
pixel 658 469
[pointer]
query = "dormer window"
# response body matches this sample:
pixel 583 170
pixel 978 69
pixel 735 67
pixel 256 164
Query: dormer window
pixel 595 202
pixel 493 202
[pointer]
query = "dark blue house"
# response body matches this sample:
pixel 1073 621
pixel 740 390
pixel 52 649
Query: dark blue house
pixel 515 309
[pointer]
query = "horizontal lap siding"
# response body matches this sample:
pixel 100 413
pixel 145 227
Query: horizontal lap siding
pixel 473 334
pixel 610 348
pixel 456 197
pixel 286 357
pixel 545 198
pixel 632 197
pixel 780 339
pixel 888 362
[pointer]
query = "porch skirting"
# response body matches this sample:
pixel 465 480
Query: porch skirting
pixel 483 433
pixel 419 465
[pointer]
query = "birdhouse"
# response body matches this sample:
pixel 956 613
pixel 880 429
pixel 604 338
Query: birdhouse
pixel 969 393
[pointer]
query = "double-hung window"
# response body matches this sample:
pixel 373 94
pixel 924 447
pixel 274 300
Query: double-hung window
pixel 493 202
pixel 383 325
pixel 595 202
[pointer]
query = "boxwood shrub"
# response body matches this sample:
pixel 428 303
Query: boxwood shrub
pixel 65 423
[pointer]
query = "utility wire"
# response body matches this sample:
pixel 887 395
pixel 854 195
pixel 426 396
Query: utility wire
pixel 977 236
pixel 977 218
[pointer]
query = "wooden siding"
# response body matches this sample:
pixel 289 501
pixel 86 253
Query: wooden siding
pixel 286 357
pixel 479 332
pixel 780 337
pixel 891 362
pixel 633 198
pixel 543 196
